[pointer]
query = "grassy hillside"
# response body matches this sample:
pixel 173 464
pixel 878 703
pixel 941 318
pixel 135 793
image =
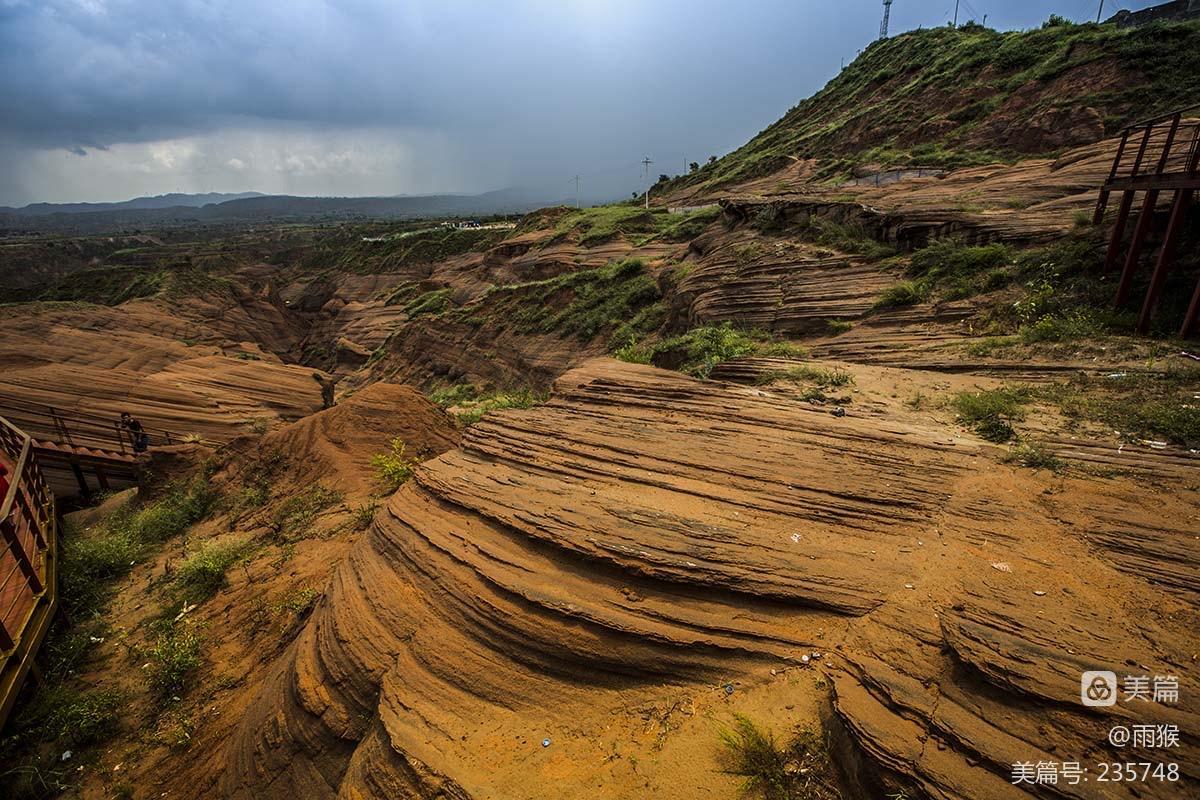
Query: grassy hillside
pixel 946 97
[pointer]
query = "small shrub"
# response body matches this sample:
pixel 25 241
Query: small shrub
pixel 174 661
pixel 394 468
pixel 700 349
pixel 1072 326
pixel 364 515
pixel 633 353
pixel 298 601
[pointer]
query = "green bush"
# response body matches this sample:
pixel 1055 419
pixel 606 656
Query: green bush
pixel 700 349
pixel 394 468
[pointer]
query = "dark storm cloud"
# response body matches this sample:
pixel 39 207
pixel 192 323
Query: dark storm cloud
pixel 317 95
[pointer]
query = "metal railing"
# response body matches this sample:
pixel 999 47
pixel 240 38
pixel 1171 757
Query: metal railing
pixel 1166 145
pixel 81 428
pixel 28 533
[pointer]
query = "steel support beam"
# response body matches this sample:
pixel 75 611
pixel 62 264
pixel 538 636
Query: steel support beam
pixel 1179 208
pixel 1118 232
pixel 1140 231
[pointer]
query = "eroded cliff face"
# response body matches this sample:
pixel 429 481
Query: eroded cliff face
pixel 645 540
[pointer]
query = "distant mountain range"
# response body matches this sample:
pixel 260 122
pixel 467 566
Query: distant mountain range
pixel 174 209
pixel 157 201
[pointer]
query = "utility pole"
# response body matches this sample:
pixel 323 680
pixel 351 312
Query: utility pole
pixel 1100 13
pixel 887 13
pixel 646 162
pixel 955 13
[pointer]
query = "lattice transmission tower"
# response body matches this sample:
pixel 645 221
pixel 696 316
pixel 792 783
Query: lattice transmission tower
pixel 887 13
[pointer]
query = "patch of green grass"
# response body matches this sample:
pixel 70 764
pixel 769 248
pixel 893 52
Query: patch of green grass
pixel 988 346
pixel 837 326
pixel 1137 406
pixel 1034 456
pixel 848 238
pixel 956 270
pixel 991 412
pixel 343 248
pixel 807 374
pixel 904 293
pixel 174 661
pixel 474 411
pixel 434 303
pixel 91 562
pixel 599 224
pixel 621 297
pixel 295 514
pixel 72 718
pixel 448 396
pixel 394 468
pixel 700 349
pixel 202 574
pixel 781 350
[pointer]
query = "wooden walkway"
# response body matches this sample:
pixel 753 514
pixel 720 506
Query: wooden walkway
pixel 28 566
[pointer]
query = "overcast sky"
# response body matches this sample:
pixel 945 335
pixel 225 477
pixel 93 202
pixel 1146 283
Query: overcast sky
pixel 111 99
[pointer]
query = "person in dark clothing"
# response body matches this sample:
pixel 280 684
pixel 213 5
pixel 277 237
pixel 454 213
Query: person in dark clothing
pixel 327 385
pixel 137 434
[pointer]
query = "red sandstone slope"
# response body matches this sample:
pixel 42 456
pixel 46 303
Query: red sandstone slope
pixel 645 539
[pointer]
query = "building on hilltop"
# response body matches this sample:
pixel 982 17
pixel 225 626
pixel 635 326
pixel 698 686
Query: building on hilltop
pixel 1174 10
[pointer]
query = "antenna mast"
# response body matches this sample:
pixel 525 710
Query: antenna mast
pixel 887 14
